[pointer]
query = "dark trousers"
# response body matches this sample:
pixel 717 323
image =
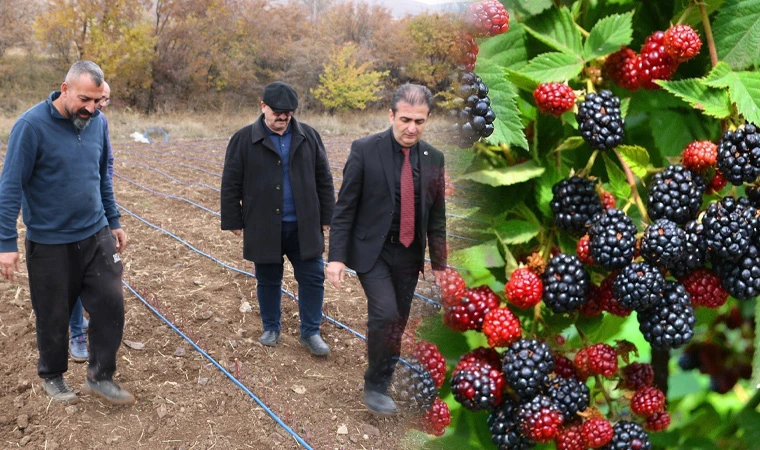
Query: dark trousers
pixel 59 274
pixel 389 287
pixel 310 275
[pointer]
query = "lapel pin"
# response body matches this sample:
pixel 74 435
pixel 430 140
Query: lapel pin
pixel 425 153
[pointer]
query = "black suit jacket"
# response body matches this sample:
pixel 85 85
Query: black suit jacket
pixel 364 210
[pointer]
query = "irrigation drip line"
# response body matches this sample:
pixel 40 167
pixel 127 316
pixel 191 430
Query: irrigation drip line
pixel 176 197
pixel 266 409
pixel 195 183
pixel 179 155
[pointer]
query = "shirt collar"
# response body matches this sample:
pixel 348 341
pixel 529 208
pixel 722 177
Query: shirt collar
pixel 272 133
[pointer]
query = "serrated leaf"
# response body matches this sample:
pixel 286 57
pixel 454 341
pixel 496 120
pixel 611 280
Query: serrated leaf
pixel 601 328
pixel 556 29
pixel 523 82
pixel 618 182
pixel 694 17
pixel 570 143
pixel 506 49
pixel 746 94
pixel 528 9
pixel 608 35
pixel 553 66
pixel 513 232
pixel 505 176
pixel 636 157
pixel 737 33
pixel 692 126
pixel 544 193
pixel 695 92
pixel 720 76
pixel 507 126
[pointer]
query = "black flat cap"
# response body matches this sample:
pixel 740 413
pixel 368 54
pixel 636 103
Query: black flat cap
pixel 280 96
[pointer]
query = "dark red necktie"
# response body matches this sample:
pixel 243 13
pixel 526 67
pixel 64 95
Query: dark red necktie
pixel 406 231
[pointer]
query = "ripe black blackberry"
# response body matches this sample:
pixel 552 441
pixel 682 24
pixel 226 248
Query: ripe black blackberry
pixel 638 286
pixel 663 243
pixel 414 386
pixel 753 195
pixel 600 121
pixel 574 204
pixel 570 395
pixel 739 154
pixel 478 386
pixel 730 225
pixel 669 323
pixel 566 283
pixel 476 115
pixel 527 364
pixel 741 278
pixel 505 428
pixel 628 436
pixel 612 239
pixel 675 193
pixel 695 250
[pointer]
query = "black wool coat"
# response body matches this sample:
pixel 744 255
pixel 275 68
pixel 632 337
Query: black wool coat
pixel 251 194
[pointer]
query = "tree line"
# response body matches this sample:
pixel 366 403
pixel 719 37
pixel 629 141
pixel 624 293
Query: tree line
pixel 218 54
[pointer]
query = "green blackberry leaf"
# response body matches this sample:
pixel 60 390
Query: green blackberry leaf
pixel 608 35
pixel 737 33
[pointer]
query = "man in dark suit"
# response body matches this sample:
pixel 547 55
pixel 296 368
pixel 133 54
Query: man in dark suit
pixel 390 204
pixel 277 191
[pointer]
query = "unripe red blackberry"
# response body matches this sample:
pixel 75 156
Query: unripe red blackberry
pixel 682 42
pixel 663 244
pixel 506 431
pixel 427 353
pixel 700 156
pixel 488 18
pixel 593 306
pixel 436 418
pixel 612 239
pixel 654 62
pixel 730 225
pixel 574 203
pixel 669 323
pixel 570 395
pixel 637 375
pixel 739 154
pixel 600 121
pixel 638 286
pixel 467 51
pixel 554 98
pixel 608 200
pixel 564 367
pixel 540 419
pixel 524 288
pixel 453 287
pixel 597 359
pixel 478 386
pixel 675 193
pixel 622 68
pixel 717 183
pixel 705 288
pixel 472 308
pixel 628 436
pixel 597 432
pixel 526 365
pixel 485 355
pixel 569 438
pixel 607 298
pixel 647 401
pixel 659 421
pixel 566 283
pixel 414 386
pixel 501 327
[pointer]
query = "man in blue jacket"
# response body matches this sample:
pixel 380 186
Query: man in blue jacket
pixel 56 172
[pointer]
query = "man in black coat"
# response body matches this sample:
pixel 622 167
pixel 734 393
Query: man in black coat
pixel 277 191
pixel 391 203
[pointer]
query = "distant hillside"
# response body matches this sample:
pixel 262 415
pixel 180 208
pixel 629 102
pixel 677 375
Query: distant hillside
pixel 400 8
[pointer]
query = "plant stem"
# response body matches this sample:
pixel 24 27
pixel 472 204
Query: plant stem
pixel 708 33
pixel 610 403
pixel 583 32
pixel 685 14
pixel 660 360
pixel 590 163
pixel 632 183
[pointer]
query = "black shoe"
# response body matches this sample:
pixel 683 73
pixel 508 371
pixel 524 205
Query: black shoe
pixel 379 403
pixel 57 389
pixel 110 392
pixel 270 338
pixel 317 345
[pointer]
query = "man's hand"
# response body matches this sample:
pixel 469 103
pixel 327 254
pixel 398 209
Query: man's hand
pixel 325 228
pixel 8 263
pixel 237 233
pixel 336 273
pixel 440 277
pixel 121 239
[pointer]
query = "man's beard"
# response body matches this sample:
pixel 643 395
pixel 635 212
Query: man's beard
pixel 78 122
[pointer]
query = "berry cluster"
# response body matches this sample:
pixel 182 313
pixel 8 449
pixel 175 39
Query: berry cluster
pixel 657 59
pixel 476 114
pixel 600 121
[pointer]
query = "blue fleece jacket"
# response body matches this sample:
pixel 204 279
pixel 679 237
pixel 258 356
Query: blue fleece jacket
pixel 58 176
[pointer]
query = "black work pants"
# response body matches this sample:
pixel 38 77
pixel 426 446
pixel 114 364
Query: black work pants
pixel 389 287
pixel 59 274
